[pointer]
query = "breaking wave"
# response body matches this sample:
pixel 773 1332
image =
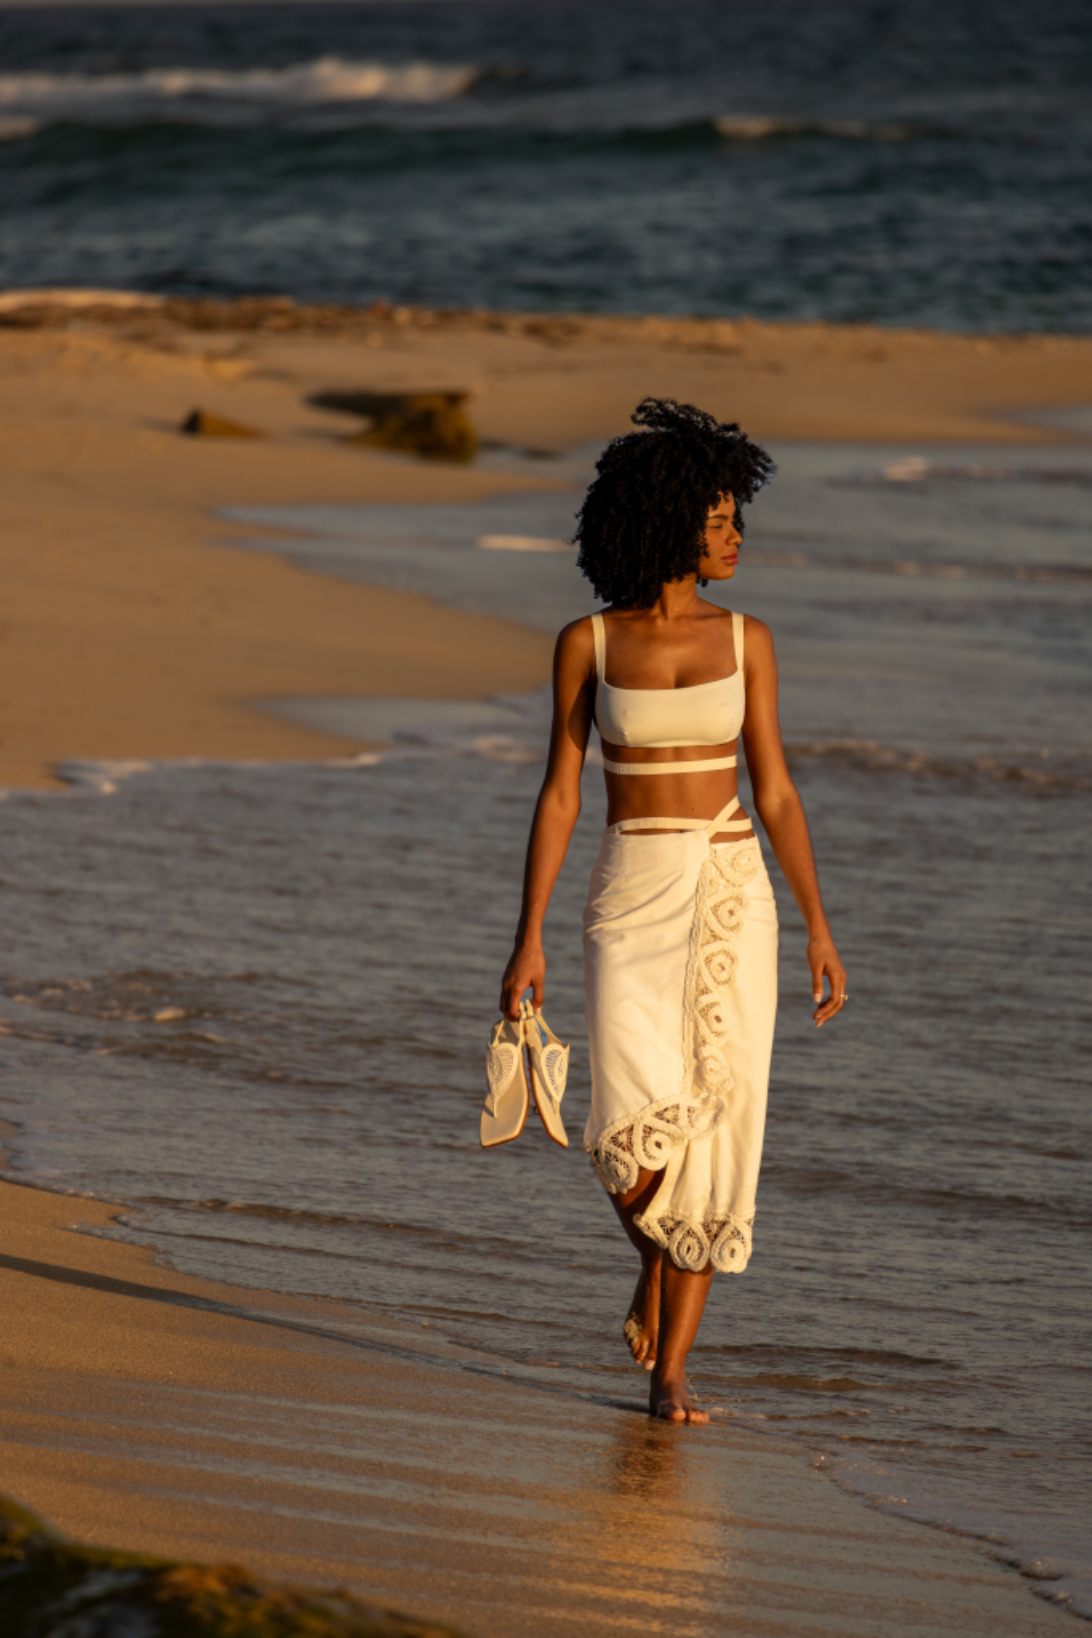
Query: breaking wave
pixel 211 94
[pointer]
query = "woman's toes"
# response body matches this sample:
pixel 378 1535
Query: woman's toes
pixel 674 1404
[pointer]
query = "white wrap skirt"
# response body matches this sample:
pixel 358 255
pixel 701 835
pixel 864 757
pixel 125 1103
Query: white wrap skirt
pixel 680 973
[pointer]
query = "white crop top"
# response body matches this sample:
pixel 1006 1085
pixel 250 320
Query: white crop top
pixel 658 718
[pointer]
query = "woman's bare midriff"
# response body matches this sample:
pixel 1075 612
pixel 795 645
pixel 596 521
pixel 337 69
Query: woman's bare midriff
pixel 681 795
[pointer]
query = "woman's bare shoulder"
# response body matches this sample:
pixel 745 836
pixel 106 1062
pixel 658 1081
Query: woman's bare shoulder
pixel 757 631
pixel 576 641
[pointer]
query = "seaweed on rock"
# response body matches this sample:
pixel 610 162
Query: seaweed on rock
pixel 54 1588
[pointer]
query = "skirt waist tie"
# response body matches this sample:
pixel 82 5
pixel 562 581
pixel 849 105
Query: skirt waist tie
pixel 711 827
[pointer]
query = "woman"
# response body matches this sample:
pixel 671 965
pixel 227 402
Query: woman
pixel 680 929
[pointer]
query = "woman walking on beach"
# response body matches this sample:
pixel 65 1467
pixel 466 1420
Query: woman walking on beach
pixel 680 930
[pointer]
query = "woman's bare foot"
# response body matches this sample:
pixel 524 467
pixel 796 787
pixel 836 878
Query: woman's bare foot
pixel 642 1327
pixel 669 1400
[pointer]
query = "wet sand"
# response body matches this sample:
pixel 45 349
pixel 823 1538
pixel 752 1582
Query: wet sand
pixel 131 631
pixel 148 1410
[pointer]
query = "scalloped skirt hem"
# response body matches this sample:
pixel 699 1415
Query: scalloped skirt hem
pixel 724 1242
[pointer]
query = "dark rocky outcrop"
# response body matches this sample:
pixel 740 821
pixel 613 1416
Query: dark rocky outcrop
pixel 53 1588
pixel 431 424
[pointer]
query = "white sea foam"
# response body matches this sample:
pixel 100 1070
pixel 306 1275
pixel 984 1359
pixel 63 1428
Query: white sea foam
pixel 159 92
pixel 102 778
pixel 920 469
pixel 911 469
pixel 1058 1569
pixel 511 728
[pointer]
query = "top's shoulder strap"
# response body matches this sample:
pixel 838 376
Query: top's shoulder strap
pixel 737 639
pixel 600 635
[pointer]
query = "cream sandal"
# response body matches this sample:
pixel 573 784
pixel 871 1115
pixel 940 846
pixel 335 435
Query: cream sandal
pixel 508 1103
pixel 549 1068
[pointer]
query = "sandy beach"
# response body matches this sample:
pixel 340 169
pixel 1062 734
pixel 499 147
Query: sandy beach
pixel 132 630
pixel 172 1416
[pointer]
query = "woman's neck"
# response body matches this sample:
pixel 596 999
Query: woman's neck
pixel 678 600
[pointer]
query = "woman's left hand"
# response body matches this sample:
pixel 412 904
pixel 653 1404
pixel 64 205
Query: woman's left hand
pixel 824 961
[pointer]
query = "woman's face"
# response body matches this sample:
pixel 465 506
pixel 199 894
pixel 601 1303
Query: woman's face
pixel 721 541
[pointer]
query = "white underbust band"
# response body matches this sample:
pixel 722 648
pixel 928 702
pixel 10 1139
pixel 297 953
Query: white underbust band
pixel 708 765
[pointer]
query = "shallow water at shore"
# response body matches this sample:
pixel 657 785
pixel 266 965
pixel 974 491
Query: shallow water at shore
pixel 279 1069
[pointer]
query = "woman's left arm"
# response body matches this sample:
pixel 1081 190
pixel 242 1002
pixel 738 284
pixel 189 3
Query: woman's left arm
pixel 778 804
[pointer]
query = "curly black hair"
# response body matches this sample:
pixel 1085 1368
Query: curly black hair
pixel 644 517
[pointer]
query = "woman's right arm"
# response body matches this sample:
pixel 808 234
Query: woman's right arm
pixel 557 810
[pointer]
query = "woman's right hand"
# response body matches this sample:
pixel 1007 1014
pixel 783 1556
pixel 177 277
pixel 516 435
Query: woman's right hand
pixel 526 969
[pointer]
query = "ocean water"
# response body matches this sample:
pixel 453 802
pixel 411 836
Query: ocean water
pixel 911 162
pixel 250 1003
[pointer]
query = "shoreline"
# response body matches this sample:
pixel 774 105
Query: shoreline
pixel 367 1454
pixel 135 631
